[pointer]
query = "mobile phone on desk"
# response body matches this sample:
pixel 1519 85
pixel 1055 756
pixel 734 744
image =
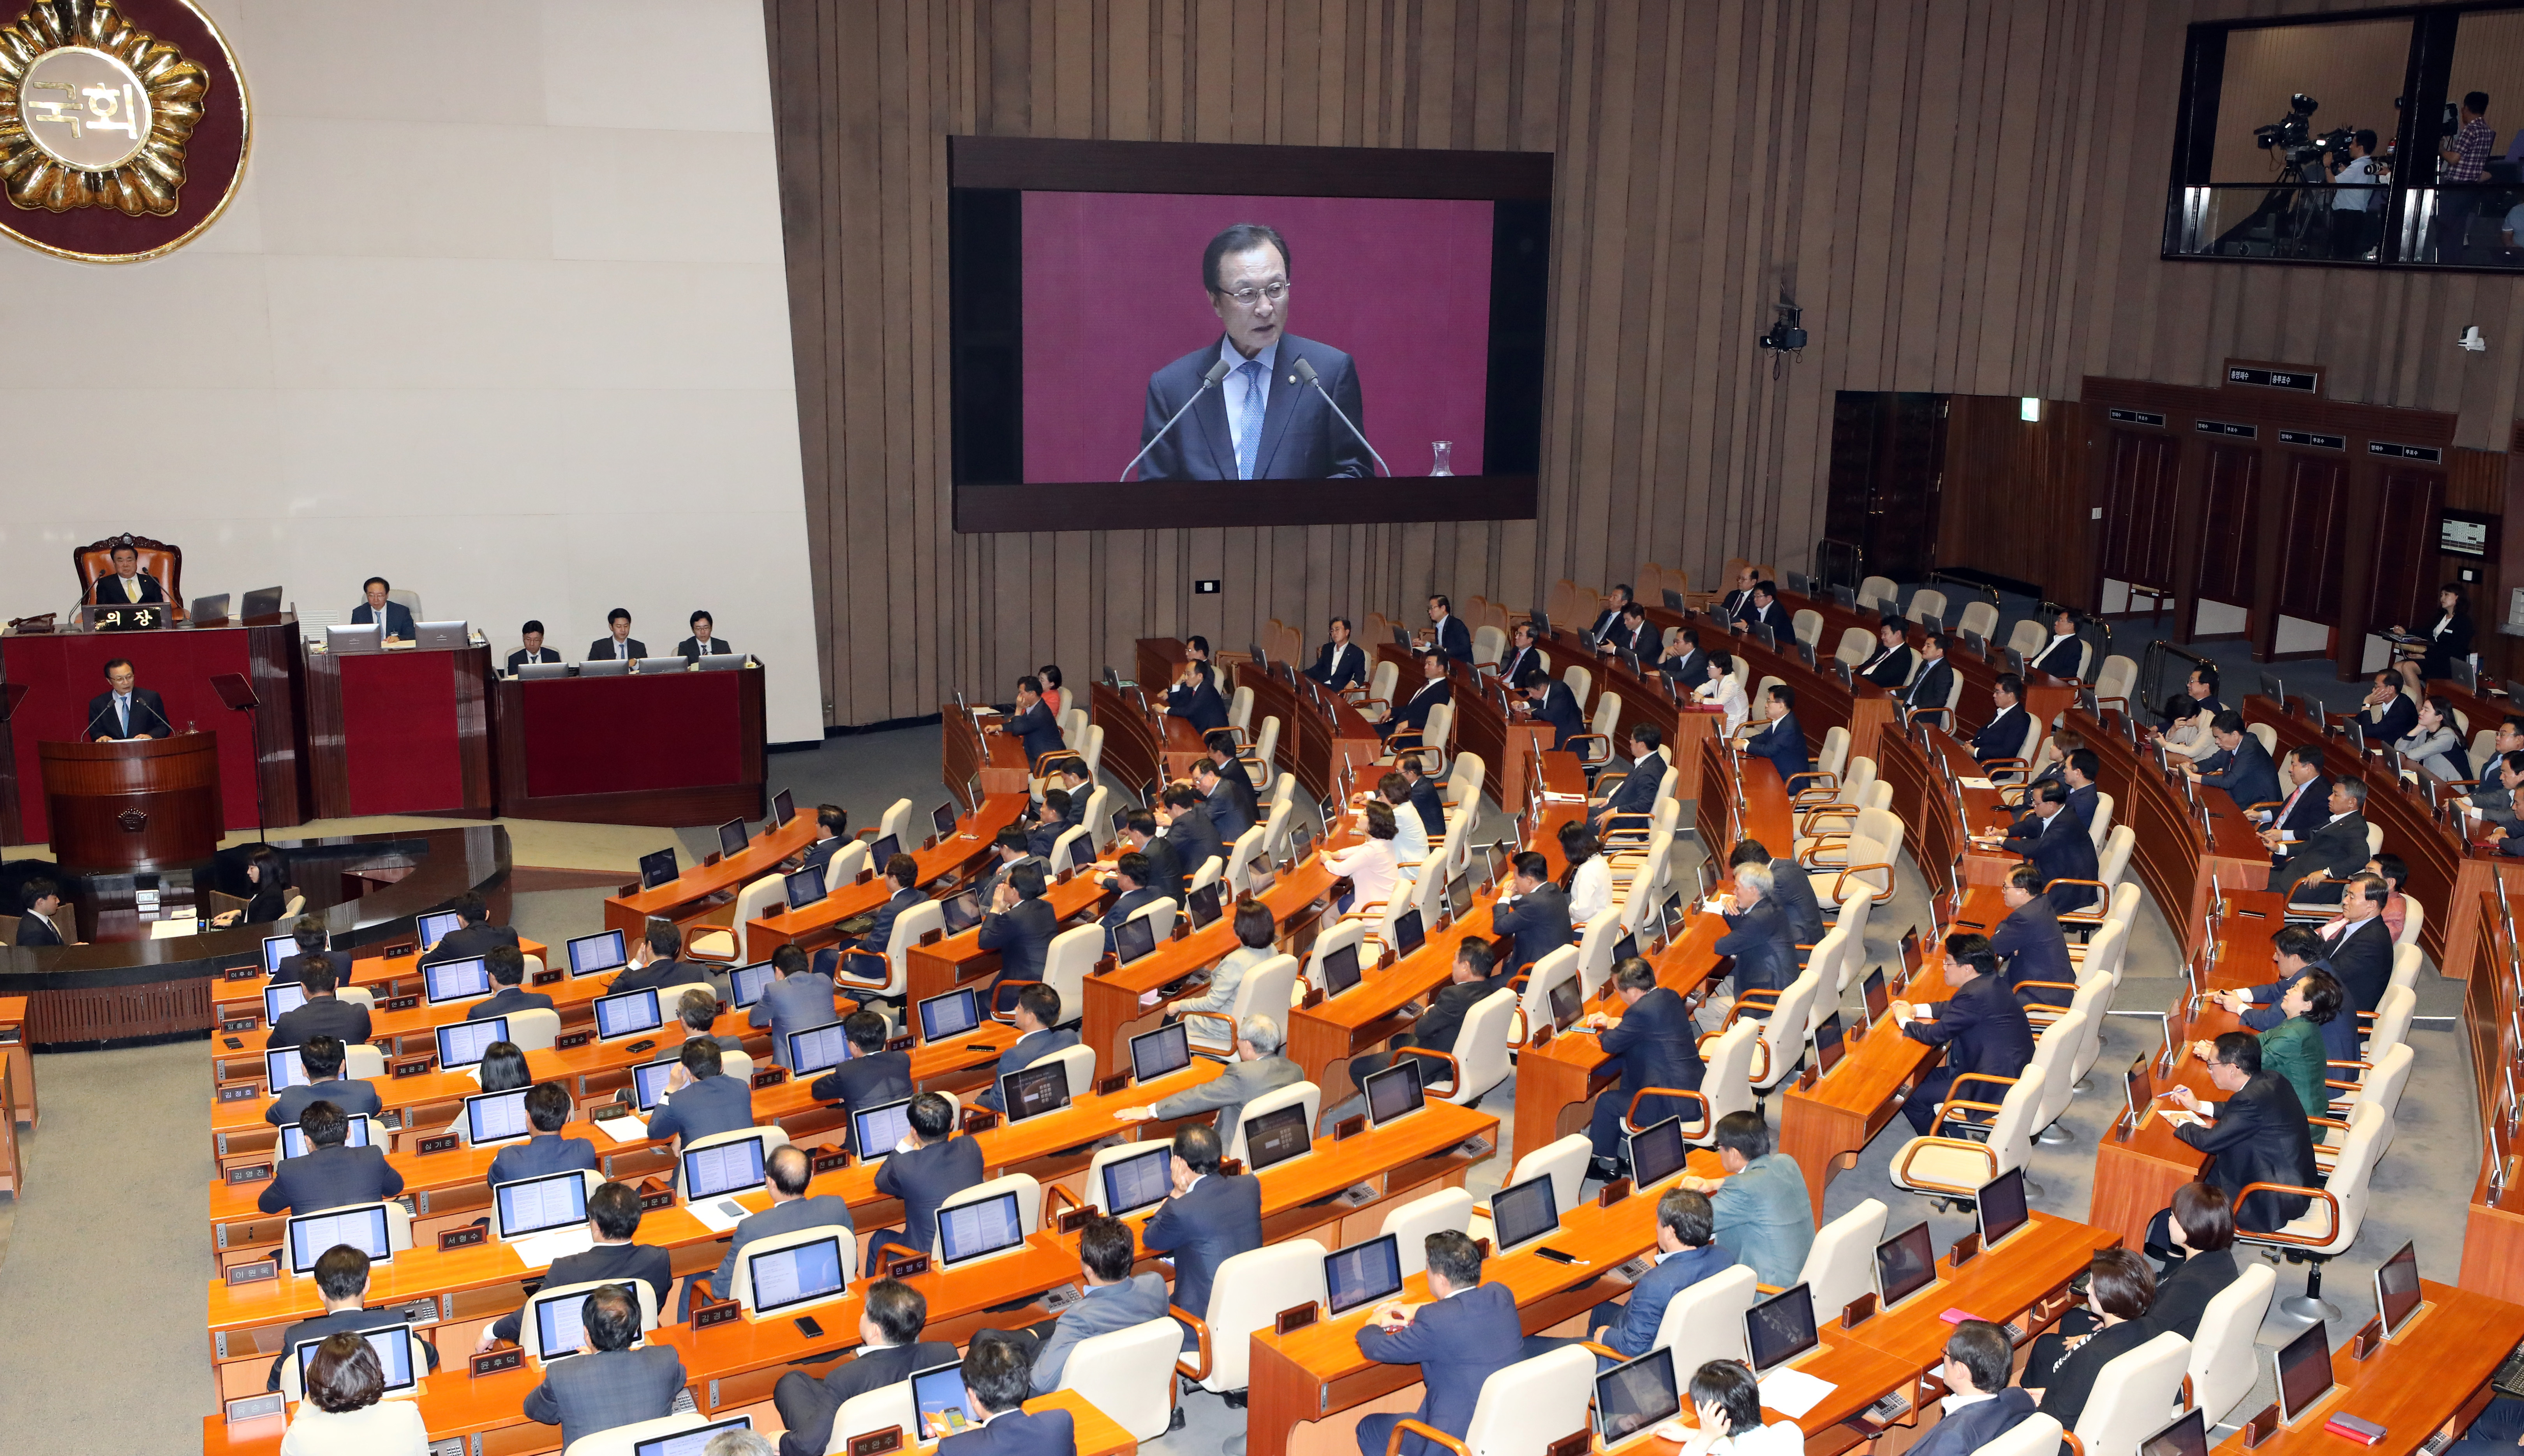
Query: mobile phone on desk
pixel 807 1327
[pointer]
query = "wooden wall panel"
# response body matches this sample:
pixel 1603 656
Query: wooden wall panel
pixel 1966 196
pixel 2015 500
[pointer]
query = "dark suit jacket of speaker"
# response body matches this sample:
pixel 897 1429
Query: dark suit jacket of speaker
pixel 148 716
pixel 150 591
pixel 1301 439
pixel 35 929
pixel 397 619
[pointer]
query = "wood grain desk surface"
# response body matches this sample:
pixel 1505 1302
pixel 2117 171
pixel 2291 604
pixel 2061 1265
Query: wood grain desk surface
pixel 677 898
pixel 231 999
pixel 970 847
pixel 2414 1382
pixel 2001 1284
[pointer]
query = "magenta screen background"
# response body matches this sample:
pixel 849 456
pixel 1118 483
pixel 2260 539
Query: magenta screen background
pixel 1112 294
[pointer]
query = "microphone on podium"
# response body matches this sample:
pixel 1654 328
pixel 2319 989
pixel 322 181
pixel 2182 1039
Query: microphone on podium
pixel 1306 372
pixel 1208 382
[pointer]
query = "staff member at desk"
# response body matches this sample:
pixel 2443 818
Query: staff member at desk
pixel 126 710
pixel 127 584
pixel 1467 1334
pixel 621 646
pixel 702 643
pixel 269 878
pixel 42 899
pixel 396 615
pixel 534 651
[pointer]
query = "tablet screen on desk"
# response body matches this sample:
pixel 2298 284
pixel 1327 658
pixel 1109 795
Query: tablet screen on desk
pixel 1905 1264
pixel 280 999
pixel 1633 1396
pixel 746 984
pixel 1459 894
pixel 591 956
pixel 281 1068
pixel 1034 1091
pixel 731 838
pixel 1657 1152
pixel 1878 999
pixel 1158 1053
pixel 985 1226
pixel 1625 949
pixel 2303 1366
pixel 1523 1212
pixel 1301 843
pixel 883 852
pixel 879 1130
pixel 817 1048
pixel 293 1139
pixel 1394 1091
pixel 456 980
pixel 950 1015
pixel 692 1440
pixel 393 1346
pixel 1205 905
pixel 938 1394
pixel 1565 1005
pixel 1340 969
pixel 795 1273
pixel 727 1168
pixel 1139 1181
pixel 362 1228
pixel 962 912
pixel 648 1083
pixel 803 887
pixel 2397 1289
pixel 1275 1137
pixel 657 869
pixel 1362 1274
pixel 784 807
pixel 1780 1328
pixel 627 1014
pixel 496 1117
pixel 1134 937
pixel 2188 1435
pixel 531 1205
pixel 435 928
pixel 2001 1202
pixel 463 1045
pixel 1827 1043
pixel 942 819
pixel 557 1325
pixel 275 950
pixel 1407 932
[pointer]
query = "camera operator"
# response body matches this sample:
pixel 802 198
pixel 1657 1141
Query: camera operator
pixel 2466 167
pixel 2356 198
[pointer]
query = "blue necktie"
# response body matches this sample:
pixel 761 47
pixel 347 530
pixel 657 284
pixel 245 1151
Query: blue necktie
pixel 1255 383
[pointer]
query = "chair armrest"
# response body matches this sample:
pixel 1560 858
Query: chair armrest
pixel 1605 740
pixel 1410 1427
pixel 1630 1114
pixel 1946 714
pixel 1829 780
pixel 1200 1333
pixel 1454 1069
pixel 1860 869
pixel 1911 1151
pixel 2330 1204
pixel 1054 1195
pixel 844 977
pixel 2102 892
pixel 1218 1016
pixel 1993 1081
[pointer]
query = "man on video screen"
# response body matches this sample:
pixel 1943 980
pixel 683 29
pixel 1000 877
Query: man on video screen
pixel 1263 421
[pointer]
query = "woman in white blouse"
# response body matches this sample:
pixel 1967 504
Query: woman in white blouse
pixel 345 1413
pixel 1729 1405
pixel 1368 864
pixel 1589 880
pixel 1410 831
pixel 1722 690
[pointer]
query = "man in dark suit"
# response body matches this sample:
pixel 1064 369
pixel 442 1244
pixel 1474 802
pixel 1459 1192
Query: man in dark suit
pixel 1781 740
pixel 2064 652
pixel 872 1074
pixel 1341 664
pixel 1424 798
pixel 1165 871
pixel 1534 910
pixel 1520 654
pixel 507 968
pixel 328 1175
pixel 1208 1220
pixel 1189 831
pixel 1446 632
pixel 2029 943
pixel 532 648
pixel 613 1384
pixel 999 1377
pixel 1687 667
pixel 1686 1252
pixel 702 642
pixel 1133 894
pixel 323 1014
pixel 1980 1406
pixel 902 893
pixel 312 946
pixel 2058 845
pixel 2003 736
pixel 654 963
pixel 1890 666
pixel 1549 700
pixel 2186 718
pixel 1266 420
pixel 1228 788
pixel 1469 983
pixel 1632 633
pixel 41 923
pixel 1981 1027
pixel 1764 610
pixel 2241 765
pixel 126 583
pixel 1193 694
pixel 322 1058
pixel 701 1100
pixel 1789 886
pixel 1636 792
pixel 832 831
pixel 474 937
pixel 1609 620
pixel 2337 848
pixel 396 615
pixel 2387 714
pixel 2303 800
pixel 1037 1009
pixel 2078 770
pixel 2260 1133
pixel 1434 687
pixel 1116 1300
pixel 2297 951
pixel 1935 681
pixel 125 710
pixel 892 1318
pixel 618 645
pixel 613 1219
pixel 936 1166
pixel 1656 1045
pixel 1032 723
pixel 1757 935
pixel 546 1150
pixel 786 1174
pixel 1465 1334
pixel 1020 927
pixel 1739 598
pixel 342 1283
pixel 798 997
pixel 2357 948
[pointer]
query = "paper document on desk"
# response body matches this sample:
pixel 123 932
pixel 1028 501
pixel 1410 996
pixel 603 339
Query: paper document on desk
pixel 624 1128
pixel 167 930
pixel 718 1215
pixel 1793 1393
pixel 1978 783
pixel 537 1251
pixel 2175 1117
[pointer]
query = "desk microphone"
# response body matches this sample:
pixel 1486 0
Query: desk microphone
pixel 1208 382
pixel 1306 372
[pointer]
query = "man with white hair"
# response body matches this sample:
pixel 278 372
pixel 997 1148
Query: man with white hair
pixel 1259 1068
pixel 1758 936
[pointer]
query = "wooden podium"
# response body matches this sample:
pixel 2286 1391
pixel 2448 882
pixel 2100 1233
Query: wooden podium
pixel 121 806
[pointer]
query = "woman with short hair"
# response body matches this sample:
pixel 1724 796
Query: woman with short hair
pixel 346 1411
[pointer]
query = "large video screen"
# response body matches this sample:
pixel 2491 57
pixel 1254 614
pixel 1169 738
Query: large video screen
pixel 1130 335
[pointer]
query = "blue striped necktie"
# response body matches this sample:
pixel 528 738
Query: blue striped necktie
pixel 1256 383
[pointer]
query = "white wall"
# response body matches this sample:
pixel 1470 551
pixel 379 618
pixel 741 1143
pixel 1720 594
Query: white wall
pixel 500 314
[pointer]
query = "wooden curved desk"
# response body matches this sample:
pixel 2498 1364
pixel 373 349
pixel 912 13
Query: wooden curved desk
pixel 132 806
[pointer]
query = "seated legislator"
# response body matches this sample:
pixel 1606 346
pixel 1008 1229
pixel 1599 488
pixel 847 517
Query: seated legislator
pixel 701 1100
pixel 931 1165
pixel 1446 632
pixel 1764 611
pixel 473 936
pixel 613 1219
pixel 2494 795
pixel 832 832
pixel 1060 699
pixel 2187 718
pixel 2121 1289
pixel 2303 800
pixel 1208 1219
pixel 1636 792
pixel 1194 696
pixel 1369 865
pixel 1791 886
pixel 1423 795
pixel 1256 934
pixel 893 1316
pixel 323 1014
pixel 328 1175
pixel 342 1283
pixel 998 1378
pixel 322 1058
pixel 786 1173
pixel 1139 836
pixel 309 934
pixel 1721 688
pixel 1979 1406
pixel 1981 1027
pixel 2357 948
pixel 1032 723
pixel 1687 665
pixel 1020 926
pixel 1655 1044
pixel 1260 398
pixel 1229 785
pixel 1632 633
pixel 1466 1333
pixel 2028 943
pixel 1780 739
pixel 2241 765
pixel 2058 845
pixel 377 608
pixel 1936 677
pixel 612 1384
pixel 1189 831
pixel 653 963
pixel 1014 846
pixel 1764 1215
pixel 2387 714
pixel 2259 1133
pixel 2433 743
pixel 508 967
pixel 546 1150
pixel 1589 878
pixel 1611 616
pixel 2297 952
pixel 1889 666
pixel 798 997
pixel 1758 936
pixel 871 1075
pixel 1115 1299
pixel 1471 976
pixel 2295 1048
pixel 1739 598
pixel 1341 663
pixel 1727 1402
pixel 702 643
pixel 618 644
pixel 1434 687
pixel 126 583
pixel 126 710
pixel 41 918
pixel 532 649
pixel 1686 1252
pixel 1037 1009
pixel 699 1013
pixel 2003 736
pixel 902 892
pixel 345 1412
pixel 2063 655
pixel 2203 1231
pixel 1534 910
pixel 1132 894
pixel 1548 701
pixel 2337 848
pixel 1259 1067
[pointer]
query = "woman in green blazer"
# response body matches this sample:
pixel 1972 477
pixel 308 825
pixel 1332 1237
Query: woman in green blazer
pixel 2294 1047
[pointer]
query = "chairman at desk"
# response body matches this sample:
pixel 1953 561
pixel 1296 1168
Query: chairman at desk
pixel 127 583
pixel 125 710
pixel 396 615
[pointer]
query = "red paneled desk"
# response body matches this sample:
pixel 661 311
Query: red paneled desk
pixel 656 748
pixel 63 670
pixel 405 731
